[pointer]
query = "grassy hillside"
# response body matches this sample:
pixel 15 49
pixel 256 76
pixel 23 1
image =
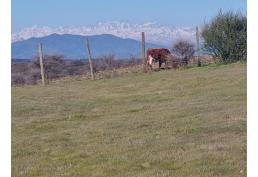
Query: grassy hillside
pixel 189 122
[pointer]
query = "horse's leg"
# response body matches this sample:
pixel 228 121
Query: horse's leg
pixel 149 66
pixel 151 60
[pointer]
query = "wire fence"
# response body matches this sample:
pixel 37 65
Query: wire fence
pixel 56 66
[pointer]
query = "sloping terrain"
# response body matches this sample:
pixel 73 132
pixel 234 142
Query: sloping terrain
pixel 188 122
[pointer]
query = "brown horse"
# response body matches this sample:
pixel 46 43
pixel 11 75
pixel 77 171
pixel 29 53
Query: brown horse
pixel 161 55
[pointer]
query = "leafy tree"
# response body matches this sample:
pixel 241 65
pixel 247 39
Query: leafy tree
pixel 225 36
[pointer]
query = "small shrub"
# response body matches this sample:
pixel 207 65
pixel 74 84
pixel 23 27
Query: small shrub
pixel 18 79
pixel 183 50
pixel 53 66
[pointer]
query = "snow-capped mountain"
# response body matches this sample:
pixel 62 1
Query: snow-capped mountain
pixel 73 46
pixel 155 33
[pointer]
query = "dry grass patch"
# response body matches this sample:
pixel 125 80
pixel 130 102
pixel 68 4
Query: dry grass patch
pixel 188 122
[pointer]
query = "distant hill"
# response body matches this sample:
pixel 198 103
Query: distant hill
pixel 73 46
pixel 156 33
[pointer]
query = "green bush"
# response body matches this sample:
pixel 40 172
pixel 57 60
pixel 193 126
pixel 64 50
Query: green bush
pixel 225 37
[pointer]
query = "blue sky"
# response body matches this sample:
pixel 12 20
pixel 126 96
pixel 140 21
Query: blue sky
pixel 26 13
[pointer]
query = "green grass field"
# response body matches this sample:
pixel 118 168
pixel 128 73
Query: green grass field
pixel 188 122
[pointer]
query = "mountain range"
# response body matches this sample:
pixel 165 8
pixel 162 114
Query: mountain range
pixel 74 46
pixel 155 33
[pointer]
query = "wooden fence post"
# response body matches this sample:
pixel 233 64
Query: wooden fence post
pixel 143 52
pixel 198 47
pixel 41 64
pixel 90 61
